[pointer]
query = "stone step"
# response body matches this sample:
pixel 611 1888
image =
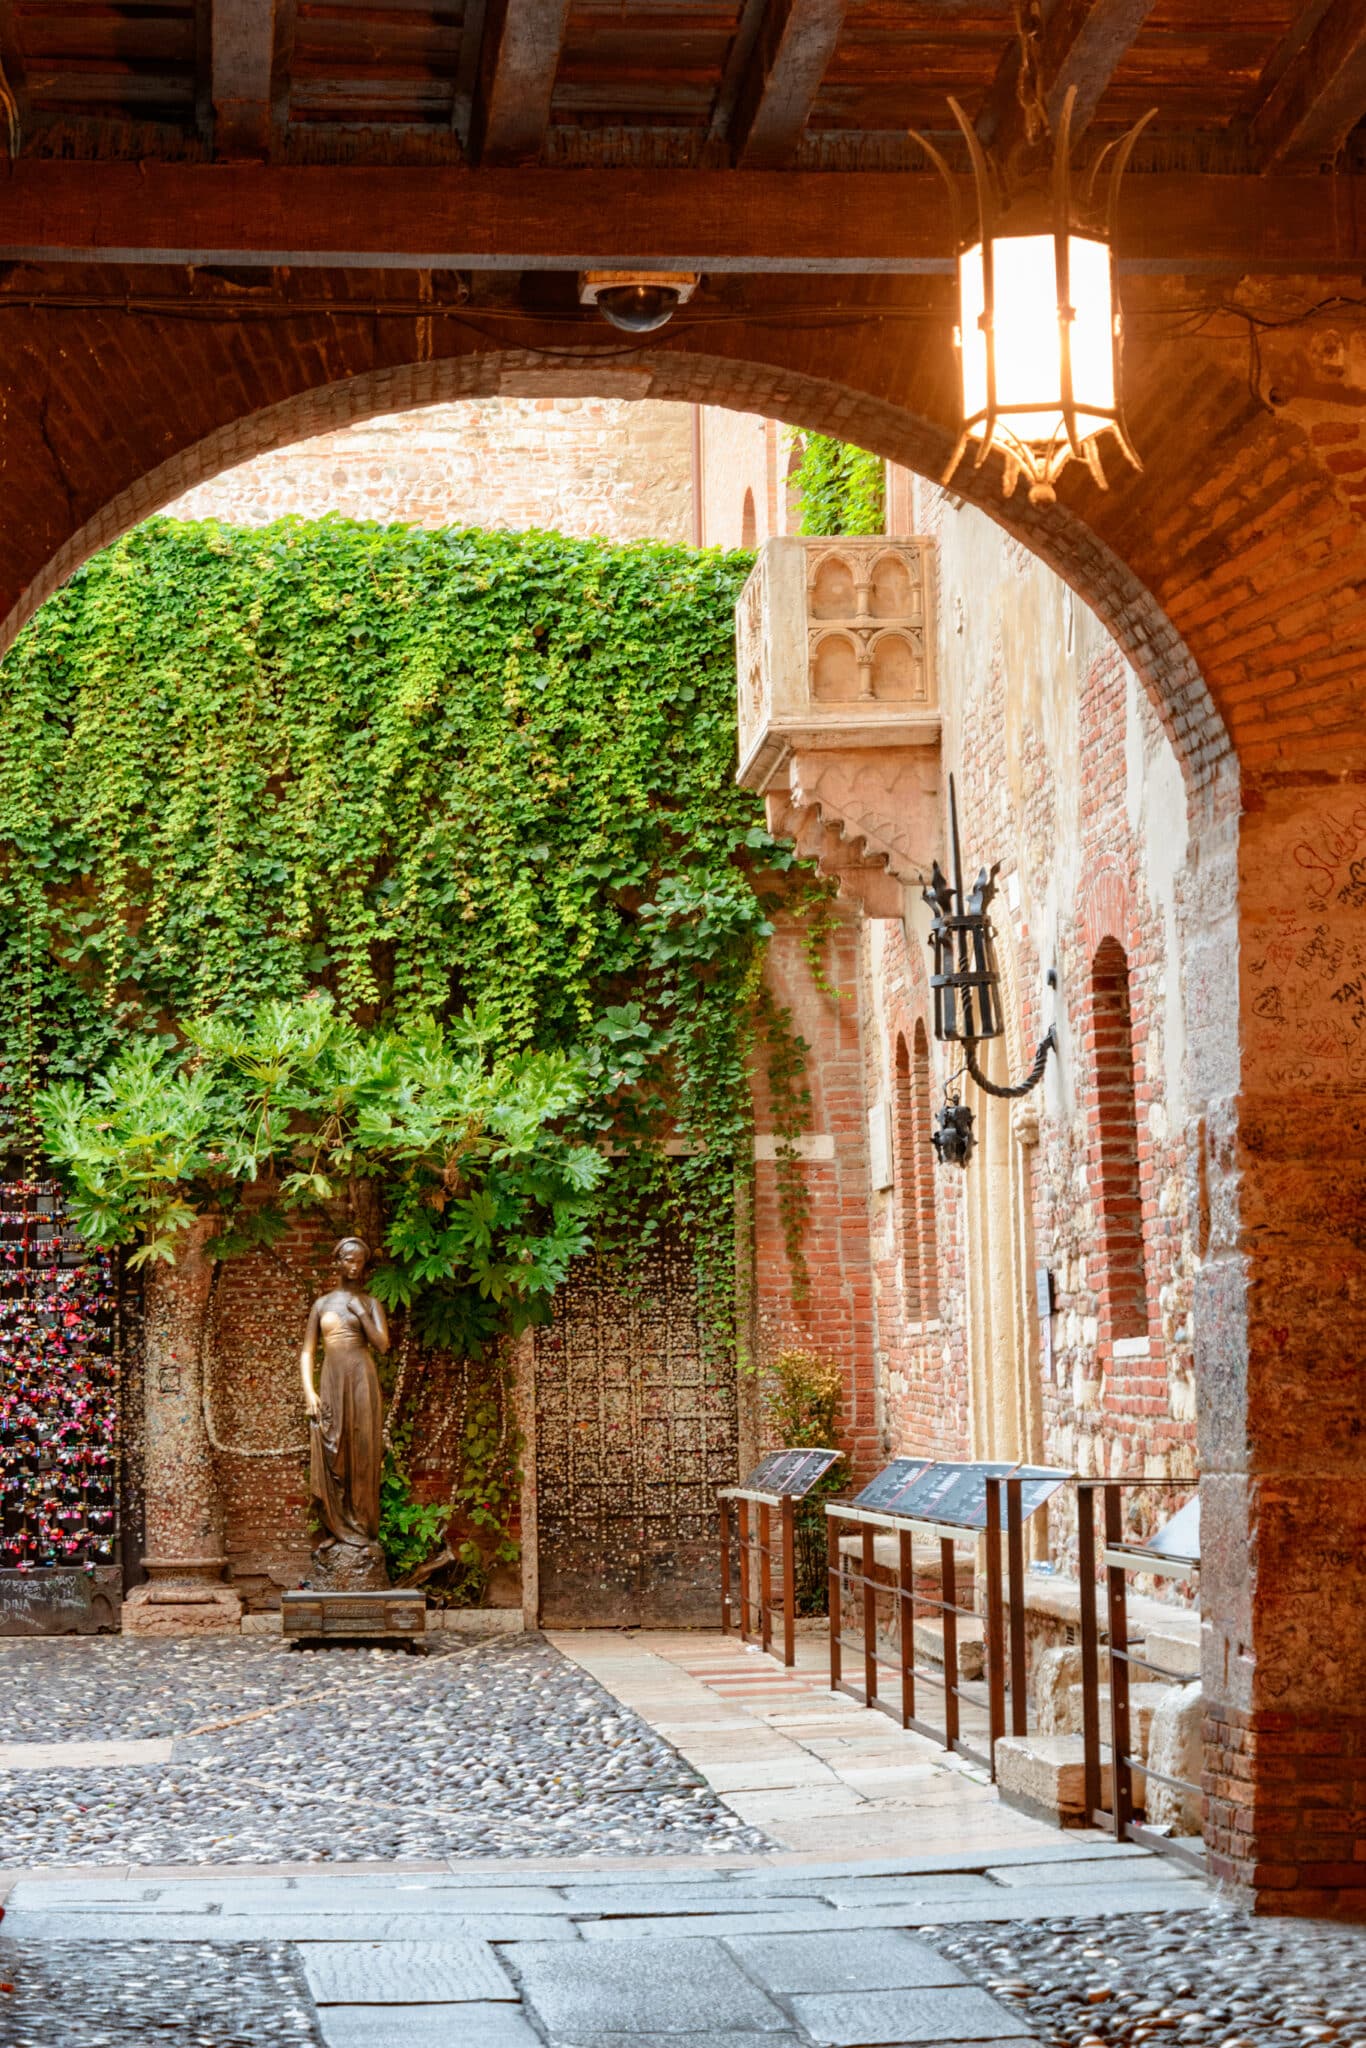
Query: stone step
pixel 929 1644
pixel 1045 1775
pixel 1144 1701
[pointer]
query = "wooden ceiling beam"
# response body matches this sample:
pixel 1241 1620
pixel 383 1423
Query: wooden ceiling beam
pixel 517 70
pixel 1084 42
pixel 1320 96
pixel 745 222
pixel 251 46
pixel 242 60
pixel 790 50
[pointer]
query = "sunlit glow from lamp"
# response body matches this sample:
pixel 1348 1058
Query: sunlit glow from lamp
pixel 1039 332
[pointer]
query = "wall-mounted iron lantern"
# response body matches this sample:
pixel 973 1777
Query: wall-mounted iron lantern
pixel 1039 334
pixel 952 1133
pixel 967 991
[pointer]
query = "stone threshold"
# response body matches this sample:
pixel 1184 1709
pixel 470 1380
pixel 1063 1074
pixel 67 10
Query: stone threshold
pixel 1079 1845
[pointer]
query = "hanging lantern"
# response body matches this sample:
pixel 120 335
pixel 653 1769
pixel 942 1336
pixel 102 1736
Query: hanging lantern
pixel 952 1136
pixel 1039 332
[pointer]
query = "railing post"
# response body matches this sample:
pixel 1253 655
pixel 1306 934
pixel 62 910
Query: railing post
pixel 1090 1653
pixel 1121 1777
pixel 745 1564
pixel 905 1592
pixel 789 1515
pixel 996 1631
pixel 832 1566
pixel 1019 1685
pixel 725 1566
pixel 869 1617
pixel 948 1586
pixel 765 1576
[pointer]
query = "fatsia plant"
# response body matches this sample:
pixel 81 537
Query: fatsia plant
pixel 486 1190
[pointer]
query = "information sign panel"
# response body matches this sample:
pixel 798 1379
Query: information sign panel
pixel 943 1493
pixel 883 1494
pixel 1039 1483
pixel 1179 1538
pixel 790 1473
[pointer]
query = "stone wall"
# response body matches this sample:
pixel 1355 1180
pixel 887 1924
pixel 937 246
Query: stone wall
pixel 609 466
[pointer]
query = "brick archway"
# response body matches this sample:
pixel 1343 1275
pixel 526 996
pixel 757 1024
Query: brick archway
pixel 1232 574
pixel 1148 638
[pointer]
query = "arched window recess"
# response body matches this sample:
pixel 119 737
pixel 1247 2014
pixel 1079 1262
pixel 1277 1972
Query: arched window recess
pixel 967 992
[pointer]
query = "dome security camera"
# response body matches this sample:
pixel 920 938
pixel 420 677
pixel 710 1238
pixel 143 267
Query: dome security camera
pixel 636 301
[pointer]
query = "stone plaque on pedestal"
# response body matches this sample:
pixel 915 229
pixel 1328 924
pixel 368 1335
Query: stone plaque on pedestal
pixel 311 1616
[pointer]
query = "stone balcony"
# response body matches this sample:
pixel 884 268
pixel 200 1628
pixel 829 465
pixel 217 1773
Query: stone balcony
pixel 839 711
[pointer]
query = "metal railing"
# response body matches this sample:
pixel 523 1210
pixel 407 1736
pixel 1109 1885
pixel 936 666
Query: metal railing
pixel 1006 1695
pixel 756 1555
pixel 1119 1559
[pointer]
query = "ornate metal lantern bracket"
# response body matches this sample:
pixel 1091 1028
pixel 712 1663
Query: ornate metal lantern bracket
pixel 967 990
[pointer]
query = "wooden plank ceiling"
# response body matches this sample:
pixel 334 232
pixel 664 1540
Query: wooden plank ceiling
pixel 760 84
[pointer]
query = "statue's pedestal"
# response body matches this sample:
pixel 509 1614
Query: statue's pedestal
pixel 313 1616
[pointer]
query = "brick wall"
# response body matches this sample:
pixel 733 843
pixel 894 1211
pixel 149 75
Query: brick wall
pixel 254 1406
pixel 835 1315
pixel 1066 777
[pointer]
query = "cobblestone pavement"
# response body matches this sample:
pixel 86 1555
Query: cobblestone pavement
pixel 1191 1979
pixel 138 1992
pixel 499 1748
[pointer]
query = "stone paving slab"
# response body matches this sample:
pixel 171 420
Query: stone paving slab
pixel 810 1918
pixel 426 2026
pixel 274 1895
pixel 889 1891
pixel 765 1774
pixel 581 1992
pixel 712 2039
pixel 1151 1869
pixel 866 2019
pixel 404 1973
pixel 81 1756
pixel 865 1960
pixel 1000 1903
pixel 267 1926
pixel 766 1809
pixel 640 1901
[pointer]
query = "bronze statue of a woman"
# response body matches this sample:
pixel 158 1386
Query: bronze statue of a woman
pixel 346 1425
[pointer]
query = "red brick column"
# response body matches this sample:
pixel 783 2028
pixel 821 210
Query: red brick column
pixel 1281 1336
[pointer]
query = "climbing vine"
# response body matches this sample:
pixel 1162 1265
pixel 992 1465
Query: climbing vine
pixel 841 489
pixel 418 774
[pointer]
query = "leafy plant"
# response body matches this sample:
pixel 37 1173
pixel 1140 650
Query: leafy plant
pixel 841 489
pixel 487 1195
pixel 803 1396
pixel 410 1531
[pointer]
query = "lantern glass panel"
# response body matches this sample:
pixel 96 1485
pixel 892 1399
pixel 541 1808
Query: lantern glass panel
pixel 1027 339
pixel 972 341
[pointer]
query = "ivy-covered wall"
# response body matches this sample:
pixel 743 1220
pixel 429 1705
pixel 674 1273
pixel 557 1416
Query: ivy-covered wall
pixel 424 772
